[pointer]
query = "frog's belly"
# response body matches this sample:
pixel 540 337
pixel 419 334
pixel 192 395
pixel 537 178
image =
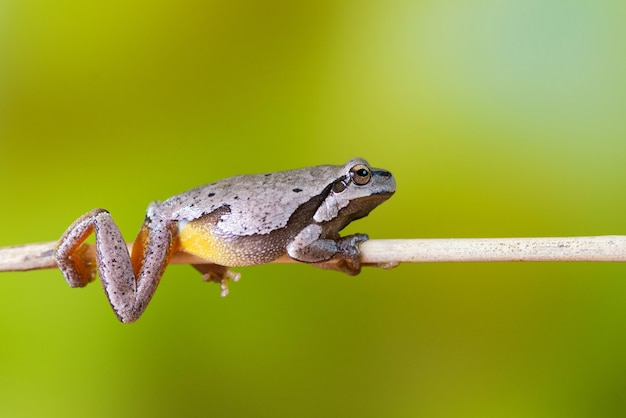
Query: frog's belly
pixel 199 238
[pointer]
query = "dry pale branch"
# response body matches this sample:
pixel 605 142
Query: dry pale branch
pixel 392 252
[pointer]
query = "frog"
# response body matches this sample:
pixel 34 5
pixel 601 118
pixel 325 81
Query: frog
pixel 244 220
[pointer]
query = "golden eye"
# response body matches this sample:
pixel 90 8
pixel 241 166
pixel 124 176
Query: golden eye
pixel 360 174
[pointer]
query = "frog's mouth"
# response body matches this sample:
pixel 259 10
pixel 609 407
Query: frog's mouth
pixel 362 206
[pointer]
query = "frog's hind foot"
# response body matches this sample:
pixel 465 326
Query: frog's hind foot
pixel 218 274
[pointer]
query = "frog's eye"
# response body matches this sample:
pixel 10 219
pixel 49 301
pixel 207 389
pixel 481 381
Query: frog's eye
pixel 360 174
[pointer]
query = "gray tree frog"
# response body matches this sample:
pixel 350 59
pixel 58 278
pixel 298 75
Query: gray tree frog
pixel 239 221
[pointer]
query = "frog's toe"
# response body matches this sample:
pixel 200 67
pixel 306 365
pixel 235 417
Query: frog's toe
pixel 218 274
pixel 349 266
pixel 349 260
pixel 229 275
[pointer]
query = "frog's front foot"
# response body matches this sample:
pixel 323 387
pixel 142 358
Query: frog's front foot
pixel 218 274
pixel 348 257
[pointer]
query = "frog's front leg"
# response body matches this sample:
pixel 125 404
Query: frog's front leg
pixel 339 254
pixel 129 282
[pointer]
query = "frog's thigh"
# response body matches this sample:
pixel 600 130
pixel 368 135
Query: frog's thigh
pixel 308 247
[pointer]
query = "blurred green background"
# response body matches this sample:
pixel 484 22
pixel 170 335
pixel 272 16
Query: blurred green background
pixel 498 118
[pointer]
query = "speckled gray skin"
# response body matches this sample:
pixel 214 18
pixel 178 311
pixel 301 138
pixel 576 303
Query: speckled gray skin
pixel 242 220
pixel 298 212
pixel 262 203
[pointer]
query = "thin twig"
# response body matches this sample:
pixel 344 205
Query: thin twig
pixel 391 252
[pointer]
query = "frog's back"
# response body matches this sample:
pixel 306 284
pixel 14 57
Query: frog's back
pixel 254 203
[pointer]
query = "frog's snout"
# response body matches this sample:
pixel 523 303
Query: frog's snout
pixel 386 183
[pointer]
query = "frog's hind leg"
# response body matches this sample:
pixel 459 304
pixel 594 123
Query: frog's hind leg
pixel 129 282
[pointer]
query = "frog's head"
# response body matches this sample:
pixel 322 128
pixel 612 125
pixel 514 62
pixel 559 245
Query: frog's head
pixel 357 190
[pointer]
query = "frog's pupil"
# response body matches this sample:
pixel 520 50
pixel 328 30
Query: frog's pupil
pixel 362 172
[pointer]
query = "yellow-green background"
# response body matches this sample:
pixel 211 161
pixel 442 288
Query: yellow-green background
pixel 498 118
